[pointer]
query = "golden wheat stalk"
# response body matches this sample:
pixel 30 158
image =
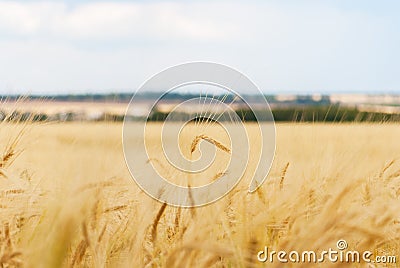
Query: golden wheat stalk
pixel 284 170
pixel 218 175
pixel 115 208
pixel 7 156
pixel 103 231
pixel 385 168
pixel 199 138
pixel 79 253
pixel 192 202
pixel 156 221
pixel 10 259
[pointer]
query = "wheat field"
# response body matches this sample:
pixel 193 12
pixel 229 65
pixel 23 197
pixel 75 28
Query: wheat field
pixel 67 200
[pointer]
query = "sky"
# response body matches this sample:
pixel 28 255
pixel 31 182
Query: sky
pixel 284 46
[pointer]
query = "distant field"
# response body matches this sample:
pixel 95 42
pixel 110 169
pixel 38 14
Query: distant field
pixel 67 200
pixel 53 107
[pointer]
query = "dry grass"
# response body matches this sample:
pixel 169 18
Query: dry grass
pixel 68 200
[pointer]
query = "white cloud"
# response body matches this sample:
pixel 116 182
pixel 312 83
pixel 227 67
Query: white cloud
pixel 111 20
pixel 20 19
pixel 312 46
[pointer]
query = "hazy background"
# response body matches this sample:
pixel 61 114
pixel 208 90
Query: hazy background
pixel 284 46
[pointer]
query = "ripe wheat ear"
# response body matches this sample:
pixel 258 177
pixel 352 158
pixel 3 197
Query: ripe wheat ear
pixel 198 138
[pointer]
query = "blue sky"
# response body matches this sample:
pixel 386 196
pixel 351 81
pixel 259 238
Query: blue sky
pixel 283 46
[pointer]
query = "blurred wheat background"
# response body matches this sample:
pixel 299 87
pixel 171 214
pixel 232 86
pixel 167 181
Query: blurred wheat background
pixel 67 200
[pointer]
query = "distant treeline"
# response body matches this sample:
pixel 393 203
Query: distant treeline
pixel 126 97
pixel 110 97
pixel 332 113
pixel 305 114
pixel 17 116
